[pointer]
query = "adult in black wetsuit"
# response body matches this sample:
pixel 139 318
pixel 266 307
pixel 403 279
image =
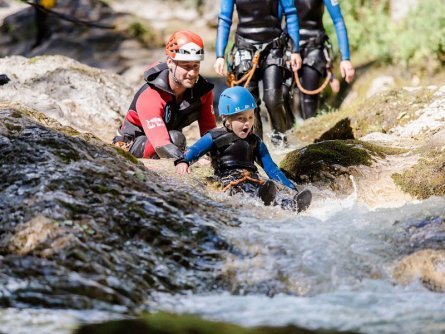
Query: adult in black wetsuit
pixel 259 29
pixel 313 51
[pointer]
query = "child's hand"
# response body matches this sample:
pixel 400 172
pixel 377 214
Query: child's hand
pixel 182 168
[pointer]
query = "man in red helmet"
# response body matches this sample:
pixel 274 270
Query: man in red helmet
pixel 174 96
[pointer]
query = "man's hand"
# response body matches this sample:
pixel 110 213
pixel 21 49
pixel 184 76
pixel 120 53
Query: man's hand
pixel 295 61
pixel 182 168
pixel 347 71
pixel 219 66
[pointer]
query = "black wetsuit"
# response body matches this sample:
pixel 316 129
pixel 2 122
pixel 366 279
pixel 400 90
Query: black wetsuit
pixel 259 28
pixel 314 51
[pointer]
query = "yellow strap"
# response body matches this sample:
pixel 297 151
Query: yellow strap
pixel 48 4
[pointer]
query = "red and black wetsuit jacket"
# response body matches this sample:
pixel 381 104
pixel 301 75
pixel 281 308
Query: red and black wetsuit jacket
pixel 154 111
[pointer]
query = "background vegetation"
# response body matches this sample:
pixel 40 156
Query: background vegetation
pixel 416 42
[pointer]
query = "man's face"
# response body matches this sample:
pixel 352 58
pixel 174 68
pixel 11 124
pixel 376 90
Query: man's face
pixel 186 72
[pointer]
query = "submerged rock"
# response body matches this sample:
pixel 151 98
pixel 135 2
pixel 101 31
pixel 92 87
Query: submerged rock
pixel 421 243
pixel 85 225
pixel 427 266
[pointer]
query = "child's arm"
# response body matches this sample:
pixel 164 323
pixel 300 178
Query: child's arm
pixel 197 150
pixel 271 168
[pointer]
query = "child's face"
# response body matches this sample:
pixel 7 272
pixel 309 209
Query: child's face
pixel 241 124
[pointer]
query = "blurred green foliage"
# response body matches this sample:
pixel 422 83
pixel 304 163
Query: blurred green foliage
pixel 417 41
pixel 144 33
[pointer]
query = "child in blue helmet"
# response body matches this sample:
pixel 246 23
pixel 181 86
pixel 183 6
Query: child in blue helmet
pixel 234 149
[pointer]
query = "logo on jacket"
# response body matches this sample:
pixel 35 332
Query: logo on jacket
pixel 154 123
pixel 167 113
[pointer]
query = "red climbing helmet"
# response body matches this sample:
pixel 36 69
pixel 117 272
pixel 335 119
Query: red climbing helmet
pixel 185 46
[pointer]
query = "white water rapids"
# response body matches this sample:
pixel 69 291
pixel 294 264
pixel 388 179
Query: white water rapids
pixel 337 261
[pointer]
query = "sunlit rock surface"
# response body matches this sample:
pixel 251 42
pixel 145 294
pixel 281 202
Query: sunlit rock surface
pixel 83 225
pixel 395 129
pixel 87 99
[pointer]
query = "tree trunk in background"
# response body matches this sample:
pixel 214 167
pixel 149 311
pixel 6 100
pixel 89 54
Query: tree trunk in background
pixel 400 8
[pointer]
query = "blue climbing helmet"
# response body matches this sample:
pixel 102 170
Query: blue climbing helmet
pixel 234 100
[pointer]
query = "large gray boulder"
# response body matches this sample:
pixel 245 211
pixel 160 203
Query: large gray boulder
pixel 85 225
pixel 85 98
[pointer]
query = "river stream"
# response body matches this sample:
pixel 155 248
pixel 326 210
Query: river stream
pixel 335 265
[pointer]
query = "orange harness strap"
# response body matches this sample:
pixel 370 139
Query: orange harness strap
pixel 316 91
pixel 246 177
pixel 246 77
pixel 123 145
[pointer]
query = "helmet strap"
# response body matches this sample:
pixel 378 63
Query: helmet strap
pixel 178 83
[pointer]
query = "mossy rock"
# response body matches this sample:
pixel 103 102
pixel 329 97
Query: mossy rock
pixel 164 323
pixel 329 159
pixel 426 178
pixel 381 113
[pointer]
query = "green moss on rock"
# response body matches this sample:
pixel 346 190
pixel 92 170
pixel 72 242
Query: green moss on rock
pixel 312 159
pixel 426 178
pixel 379 113
pixel 127 155
pixel 185 324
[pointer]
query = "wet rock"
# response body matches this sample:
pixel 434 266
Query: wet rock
pixel 84 225
pixel 425 265
pixel 421 245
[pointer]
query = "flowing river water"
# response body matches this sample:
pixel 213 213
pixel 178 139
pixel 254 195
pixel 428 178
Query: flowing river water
pixel 336 260
pixel 330 267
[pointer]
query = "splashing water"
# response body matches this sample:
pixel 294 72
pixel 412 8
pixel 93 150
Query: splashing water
pixel 328 268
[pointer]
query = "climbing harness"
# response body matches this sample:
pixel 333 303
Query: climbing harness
pixel 246 177
pixel 68 17
pixel 256 50
pixel 246 77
